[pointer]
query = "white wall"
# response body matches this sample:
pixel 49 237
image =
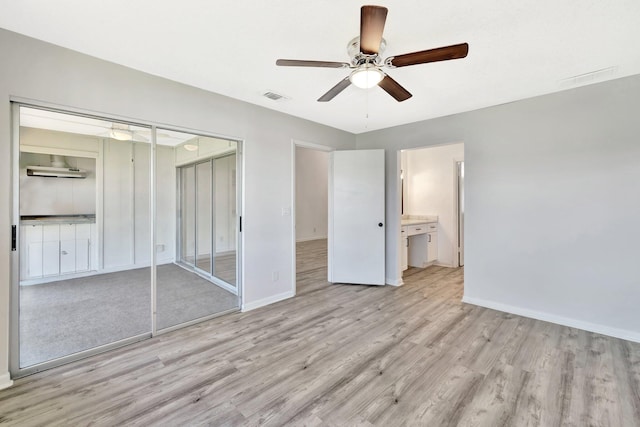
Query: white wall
pixel 56 196
pixel 552 210
pixel 43 72
pixel 166 205
pixel 431 180
pixel 312 178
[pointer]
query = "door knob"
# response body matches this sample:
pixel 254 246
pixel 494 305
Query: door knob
pixel 379 224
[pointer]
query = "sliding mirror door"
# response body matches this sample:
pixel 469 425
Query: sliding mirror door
pixel 200 279
pixel 83 225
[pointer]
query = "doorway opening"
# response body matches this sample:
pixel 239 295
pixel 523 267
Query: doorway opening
pixel 432 207
pixel 310 179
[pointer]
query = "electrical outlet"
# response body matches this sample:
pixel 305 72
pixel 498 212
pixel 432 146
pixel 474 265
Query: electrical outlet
pixel 286 211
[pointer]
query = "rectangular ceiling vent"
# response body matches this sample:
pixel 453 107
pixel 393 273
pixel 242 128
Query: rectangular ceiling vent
pixel 588 78
pixel 274 96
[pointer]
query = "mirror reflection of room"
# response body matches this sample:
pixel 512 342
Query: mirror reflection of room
pixel 85 240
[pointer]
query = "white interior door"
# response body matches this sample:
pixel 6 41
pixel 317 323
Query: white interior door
pixel 356 217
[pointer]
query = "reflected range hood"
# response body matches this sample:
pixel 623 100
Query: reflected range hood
pixel 56 172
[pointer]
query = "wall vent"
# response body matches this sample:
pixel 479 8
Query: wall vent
pixel 588 78
pixel 274 96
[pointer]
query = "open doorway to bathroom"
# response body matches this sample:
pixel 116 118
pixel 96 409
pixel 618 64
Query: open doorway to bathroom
pixel 432 207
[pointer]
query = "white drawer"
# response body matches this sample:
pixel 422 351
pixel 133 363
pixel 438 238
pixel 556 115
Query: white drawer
pixel 417 229
pixel 432 226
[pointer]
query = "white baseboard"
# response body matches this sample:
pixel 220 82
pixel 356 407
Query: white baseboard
pixel 442 264
pixel 5 381
pixel 624 334
pixel 266 301
pixel 308 239
pixel 394 282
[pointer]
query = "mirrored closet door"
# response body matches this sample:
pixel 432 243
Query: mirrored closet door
pixel 83 226
pixel 122 231
pixel 203 280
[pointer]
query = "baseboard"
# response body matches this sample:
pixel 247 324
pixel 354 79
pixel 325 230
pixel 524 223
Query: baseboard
pixel 394 282
pixel 266 301
pixel 441 264
pixel 624 334
pixel 5 381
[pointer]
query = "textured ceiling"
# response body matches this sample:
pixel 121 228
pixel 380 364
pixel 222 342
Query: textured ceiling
pixel 517 49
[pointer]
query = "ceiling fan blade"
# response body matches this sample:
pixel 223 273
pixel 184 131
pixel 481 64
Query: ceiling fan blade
pixel 394 89
pixel 302 63
pixel 432 55
pixel 342 85
pixel 372 19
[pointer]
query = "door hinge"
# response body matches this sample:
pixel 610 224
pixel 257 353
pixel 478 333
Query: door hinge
pixel 14 235
pixel 240 224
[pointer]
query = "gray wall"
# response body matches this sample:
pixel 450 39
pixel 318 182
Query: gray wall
pixel 40 71
pixel 552 203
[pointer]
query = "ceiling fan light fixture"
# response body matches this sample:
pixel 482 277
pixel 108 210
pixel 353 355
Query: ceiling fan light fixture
pixel 366 76
pixel 121 134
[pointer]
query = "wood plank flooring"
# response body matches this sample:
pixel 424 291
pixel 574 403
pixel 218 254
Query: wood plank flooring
pixel 348 355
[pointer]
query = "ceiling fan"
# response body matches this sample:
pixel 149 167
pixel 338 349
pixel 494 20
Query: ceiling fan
pixel 366 62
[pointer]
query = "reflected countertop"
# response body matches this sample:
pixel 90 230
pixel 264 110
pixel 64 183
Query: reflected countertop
pixel 57 219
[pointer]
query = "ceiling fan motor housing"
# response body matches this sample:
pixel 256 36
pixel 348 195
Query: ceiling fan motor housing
pixel 358 58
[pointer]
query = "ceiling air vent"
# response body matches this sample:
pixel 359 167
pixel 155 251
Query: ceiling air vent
pixel 274 96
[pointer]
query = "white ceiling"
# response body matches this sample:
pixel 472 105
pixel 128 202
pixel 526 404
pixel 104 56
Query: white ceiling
pixel 517 49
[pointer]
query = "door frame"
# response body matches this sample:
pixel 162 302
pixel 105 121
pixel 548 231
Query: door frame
pixel 295 143
pixel 459 221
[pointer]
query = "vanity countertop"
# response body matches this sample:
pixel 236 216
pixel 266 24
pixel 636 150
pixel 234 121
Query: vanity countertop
pixel 419 220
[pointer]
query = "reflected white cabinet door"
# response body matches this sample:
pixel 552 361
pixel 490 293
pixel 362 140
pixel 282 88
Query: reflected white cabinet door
pixel 67 256
pixel 83 247
pixel 356 240
pixel 82 254
pixel 51 258
pixel 34 259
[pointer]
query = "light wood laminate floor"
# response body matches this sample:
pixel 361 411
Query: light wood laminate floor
pixel 348 355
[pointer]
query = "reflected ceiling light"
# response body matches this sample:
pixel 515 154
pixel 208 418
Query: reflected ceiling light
pixel 121 134
pixel 190 147
pixel 366 76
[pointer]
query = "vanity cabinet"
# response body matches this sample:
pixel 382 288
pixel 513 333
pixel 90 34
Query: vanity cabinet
pixel 432 246
pixel 421 245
